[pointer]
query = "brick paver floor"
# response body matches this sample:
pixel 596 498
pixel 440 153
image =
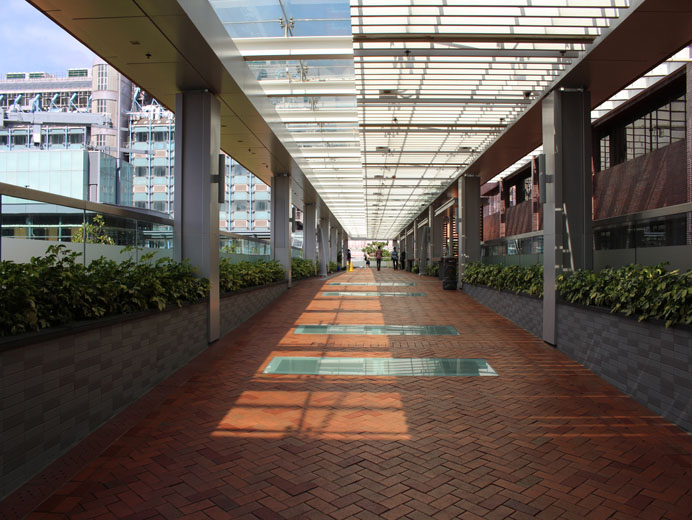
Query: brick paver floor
pixel 545 439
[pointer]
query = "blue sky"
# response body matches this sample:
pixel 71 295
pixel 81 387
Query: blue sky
pixel 30 42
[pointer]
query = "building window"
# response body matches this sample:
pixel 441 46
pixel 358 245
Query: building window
pixel 101 106
pixel 141 171
pixel 102 77
pixel 261 205
pixel 159 205
pixel 141 204
pixel 160 171
pixel 662 125
pixel 101 140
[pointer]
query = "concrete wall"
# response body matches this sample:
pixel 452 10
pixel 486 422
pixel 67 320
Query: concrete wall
pixel 645 360
pixel 56 387
pixel 525 311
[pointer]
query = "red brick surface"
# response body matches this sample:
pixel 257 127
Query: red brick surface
pixel 545 439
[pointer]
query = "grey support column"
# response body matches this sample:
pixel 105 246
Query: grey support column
pixel 281 221
pixel 567 213
pixel 196 206
pixel 344 249
pixel 415 248
pixel 431 233
pixel 469 225
pixel 309 236
pixel 324 244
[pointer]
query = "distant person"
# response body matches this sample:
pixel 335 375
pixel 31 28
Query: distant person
pixel 378 257
pixel 367 261
pixel 395 259
pixel 348 259
pixel 403 259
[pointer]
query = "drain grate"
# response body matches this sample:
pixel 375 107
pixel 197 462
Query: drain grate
pixel 379 284
pixel 371 293
pixel 386 330
pixel 341 366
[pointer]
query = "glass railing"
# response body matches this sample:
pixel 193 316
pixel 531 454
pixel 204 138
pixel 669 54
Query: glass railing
pixel 238 248
pixel 296 252
pixel 31 221
pixel 648 238
pixel 518 250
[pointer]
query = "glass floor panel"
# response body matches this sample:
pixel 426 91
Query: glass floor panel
pixel 387 330
pixel 370 293
pixel 430 367
pixel 379 284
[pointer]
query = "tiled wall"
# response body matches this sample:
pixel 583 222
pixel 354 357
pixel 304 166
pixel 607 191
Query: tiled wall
pixel 525 311
pixel 55 392
pixel 236 308
pixel 643 359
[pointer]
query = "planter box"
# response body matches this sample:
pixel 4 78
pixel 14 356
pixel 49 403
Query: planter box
pixel 60 385
pixel 645 360
pixel 525 311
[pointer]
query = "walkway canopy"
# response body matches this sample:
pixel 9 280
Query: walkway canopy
pixel 375 107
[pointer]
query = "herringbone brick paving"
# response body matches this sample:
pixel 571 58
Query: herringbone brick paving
pixel 546 439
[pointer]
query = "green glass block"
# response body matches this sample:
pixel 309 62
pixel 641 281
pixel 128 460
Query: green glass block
pixel 377 284
pixel 370 293
pixel 379 330
pixel 392 367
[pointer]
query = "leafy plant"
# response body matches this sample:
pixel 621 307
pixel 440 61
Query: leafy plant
pixel 414 268
pixel 642 291
pixel 432 269
pixel 634 290
pixel 93 232
pixel 301 268
pixel 515 278
pixel 236 276
pixel 331 267
pixel 55 289
pixel 371 248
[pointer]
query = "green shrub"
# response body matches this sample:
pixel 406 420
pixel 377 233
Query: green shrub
pixel 432 269
pixel 414 268
pixel 301 268
pixel 515 278
pixel 642 291
pixel 55 289
pixel 634 290
pixel 332 267
pixel 235 276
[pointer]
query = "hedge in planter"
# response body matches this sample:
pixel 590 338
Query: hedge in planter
pixel 514 278
pixel 301 268
pixel 233 277
pixel 55 289
pixel 642 291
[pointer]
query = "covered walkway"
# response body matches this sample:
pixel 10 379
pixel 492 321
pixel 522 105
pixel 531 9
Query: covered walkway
pixel 544 438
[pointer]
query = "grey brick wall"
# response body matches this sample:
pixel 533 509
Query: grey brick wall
pixel 238 307
pixel 643 359
pixel 56 391
pixel 525 311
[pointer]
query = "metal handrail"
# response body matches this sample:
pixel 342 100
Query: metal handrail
pixel 20 192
